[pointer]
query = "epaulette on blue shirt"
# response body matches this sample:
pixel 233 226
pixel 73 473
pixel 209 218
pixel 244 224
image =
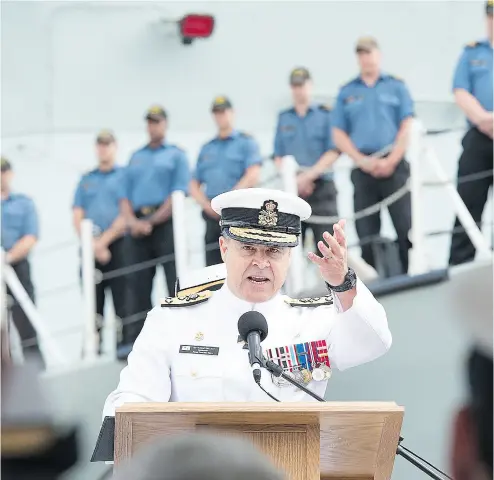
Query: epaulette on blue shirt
pixel 472 44
pixel 324 107
pixel 394 77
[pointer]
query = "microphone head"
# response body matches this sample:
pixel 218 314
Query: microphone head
pixel 251 321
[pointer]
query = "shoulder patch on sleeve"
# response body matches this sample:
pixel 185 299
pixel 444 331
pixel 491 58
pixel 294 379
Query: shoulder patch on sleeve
pixel 187 300
pixel 471 44
pixel 310 301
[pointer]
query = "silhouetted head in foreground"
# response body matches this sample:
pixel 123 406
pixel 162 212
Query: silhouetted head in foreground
pixel 201 457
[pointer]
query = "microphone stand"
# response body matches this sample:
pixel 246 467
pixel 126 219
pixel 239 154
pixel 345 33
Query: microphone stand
pixel 408 455
pixel 276 370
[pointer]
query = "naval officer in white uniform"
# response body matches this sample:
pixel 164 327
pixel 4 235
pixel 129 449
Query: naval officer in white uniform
pixel 189 348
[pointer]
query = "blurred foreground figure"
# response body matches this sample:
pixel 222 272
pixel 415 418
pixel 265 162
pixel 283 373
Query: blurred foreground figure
pixel 472 435
pixel 32 449
pixel 200 456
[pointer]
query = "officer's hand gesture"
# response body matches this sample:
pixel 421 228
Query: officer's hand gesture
pixel 333 264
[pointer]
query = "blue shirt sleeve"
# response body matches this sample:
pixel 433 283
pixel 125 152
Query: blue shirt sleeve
pixel 338 119
pixel 461 78
pixel 407 108
pixel 30 224
pixel 279 149
pixel 181 176
pixel 252 153
pixel 78 197
pixel 329 131
pixel 197 173
pixel 124 187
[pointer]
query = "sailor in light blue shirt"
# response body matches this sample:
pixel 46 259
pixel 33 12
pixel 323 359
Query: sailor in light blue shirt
pixel 97 199
pixel 20 233
pixel 154 172
pixel 304 131
pixel 371 122
pixel 473 90
pixel 229 161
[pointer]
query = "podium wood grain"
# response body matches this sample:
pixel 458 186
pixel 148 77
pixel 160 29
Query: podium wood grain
pixel 347 441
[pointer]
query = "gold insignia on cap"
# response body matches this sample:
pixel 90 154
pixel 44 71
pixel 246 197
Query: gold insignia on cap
pixel 155 109
pixel 268 214
pixel 220 100
pixel 199 336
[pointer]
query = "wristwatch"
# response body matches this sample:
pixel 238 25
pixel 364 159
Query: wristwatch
pixel 349 282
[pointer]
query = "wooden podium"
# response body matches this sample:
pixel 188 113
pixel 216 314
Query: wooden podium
pixel 309 441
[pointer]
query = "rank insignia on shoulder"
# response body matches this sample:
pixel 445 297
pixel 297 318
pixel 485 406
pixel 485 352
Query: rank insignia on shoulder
pixel 310 301
pixel 187 300
pixel 246 134
pixel 326 108
pixel 472 44
pixel 395 77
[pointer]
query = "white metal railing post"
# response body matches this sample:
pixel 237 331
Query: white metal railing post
pixel 50 348
pixel 415 152
pixel 466 220
pixel 289 170
pixel 179 233
pixel 89 290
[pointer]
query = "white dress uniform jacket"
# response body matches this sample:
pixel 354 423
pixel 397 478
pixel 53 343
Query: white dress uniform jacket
pixel 158 372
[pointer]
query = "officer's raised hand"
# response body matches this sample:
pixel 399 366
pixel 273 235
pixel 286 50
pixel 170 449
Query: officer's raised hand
pixel 333 264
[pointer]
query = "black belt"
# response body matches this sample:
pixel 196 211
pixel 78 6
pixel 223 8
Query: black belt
pixel 146 211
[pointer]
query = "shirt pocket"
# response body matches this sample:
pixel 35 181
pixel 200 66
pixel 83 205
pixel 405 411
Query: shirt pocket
pixel 389 100
pixel 479 68
pixel 353 107
pixel 13 220
pixel 197 378
pixel 318 132
pixel 164 163
pixel 288 131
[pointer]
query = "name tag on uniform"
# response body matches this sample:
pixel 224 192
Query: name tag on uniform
pixel 199 350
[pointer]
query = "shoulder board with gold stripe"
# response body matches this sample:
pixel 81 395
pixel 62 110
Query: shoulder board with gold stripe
pixel 395 77
pixel 471 44
pixel 187 300
pixel 326 108
pixel 310 301
pixel 246 134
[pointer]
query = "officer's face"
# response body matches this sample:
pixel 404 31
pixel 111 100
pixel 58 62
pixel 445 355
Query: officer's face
pixel 106 152
pixel 156 130
pixel 302 93
pixel 254 273
pixel 6 180
pixel 369 61
pixel 223 119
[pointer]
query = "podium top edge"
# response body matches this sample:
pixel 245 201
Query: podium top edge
pixel 260 407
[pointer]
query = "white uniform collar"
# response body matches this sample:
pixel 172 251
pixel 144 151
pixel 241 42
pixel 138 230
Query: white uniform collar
pixel 226 297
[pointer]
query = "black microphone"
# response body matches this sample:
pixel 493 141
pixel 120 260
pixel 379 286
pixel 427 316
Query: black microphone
pixel 253 329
